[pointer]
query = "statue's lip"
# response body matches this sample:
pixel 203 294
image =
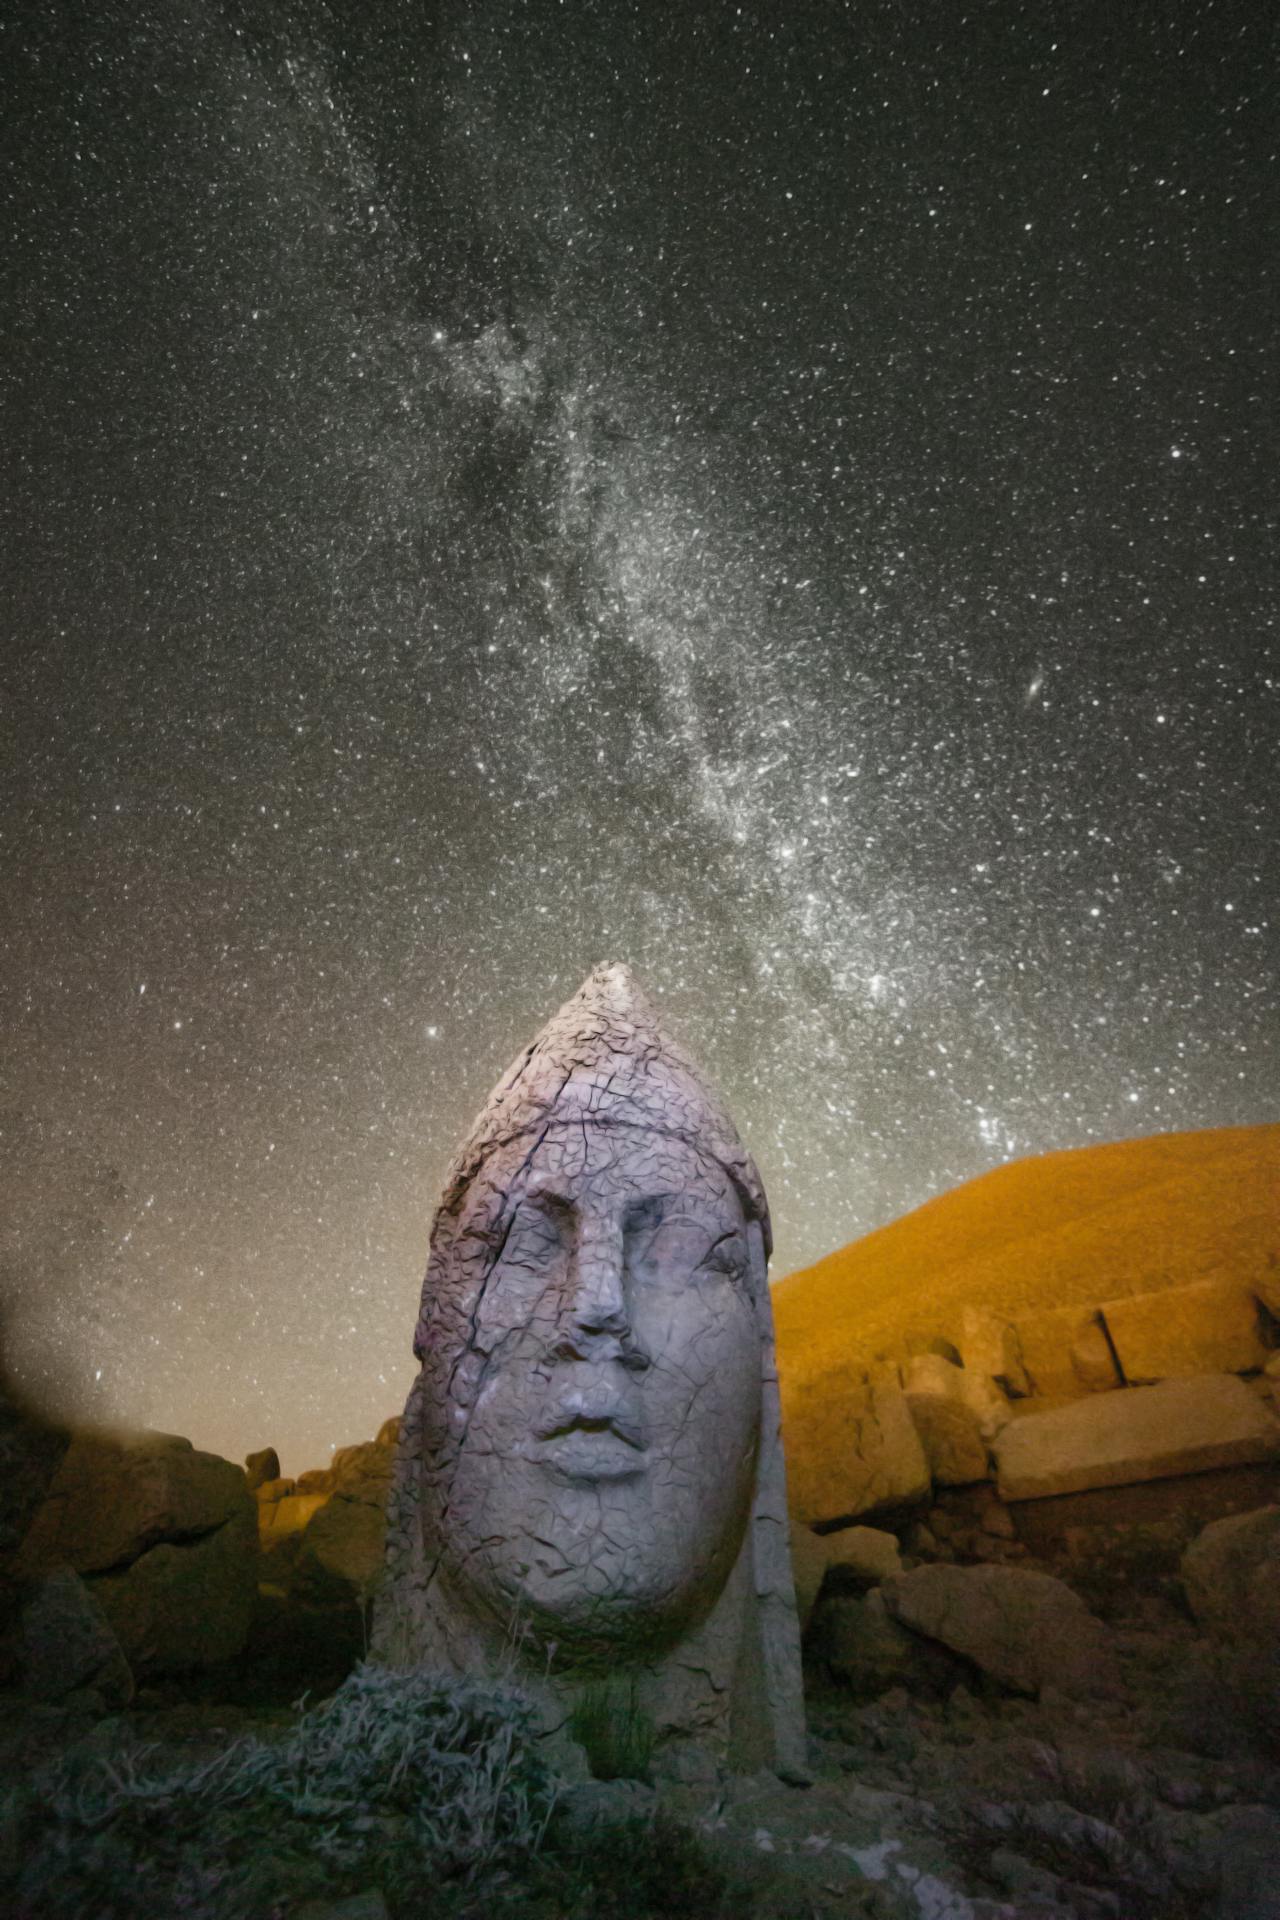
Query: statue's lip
pixel 590 1415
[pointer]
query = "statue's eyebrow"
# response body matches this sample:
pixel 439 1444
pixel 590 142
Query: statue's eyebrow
pixel 657 1207
pixel 546 1194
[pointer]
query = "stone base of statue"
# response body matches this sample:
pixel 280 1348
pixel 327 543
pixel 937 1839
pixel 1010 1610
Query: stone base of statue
pixel 589 1498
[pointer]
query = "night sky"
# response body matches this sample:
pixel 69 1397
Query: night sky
pixel 780 495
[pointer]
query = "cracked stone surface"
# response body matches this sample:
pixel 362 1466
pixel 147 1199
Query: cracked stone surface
pixel 166 1538
pixel 1026 1629
pixel 589 1487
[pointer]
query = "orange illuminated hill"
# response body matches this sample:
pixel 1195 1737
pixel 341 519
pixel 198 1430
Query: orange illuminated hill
pixel 1063 1229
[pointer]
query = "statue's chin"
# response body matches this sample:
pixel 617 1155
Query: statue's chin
pixel 587 1612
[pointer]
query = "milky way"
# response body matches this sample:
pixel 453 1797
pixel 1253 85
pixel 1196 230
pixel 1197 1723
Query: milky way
pixel 781 496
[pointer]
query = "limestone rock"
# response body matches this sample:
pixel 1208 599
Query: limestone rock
pixel 30 1452
pixel 315 1480
pixel 1247 1858
pixel 1092 1357
pixel 1265 1282
pixel 860 1644
pixel 289 1515
pixel 989 1345
pixel 187 1603
pixel 1065 1352
pixel 1142 1433
pixel 340 1555
pixel 67 1643
pixel 363 1472
pixel 1210 1327
pixel 853 1449
pixel 112 1499
pixel 338 1562
pixel 166 1538
pixel 1027 1630
pixel 942 1406
pixel 261 1468
pixel 863 1556
pixel 1231 1575
pixel 273 1490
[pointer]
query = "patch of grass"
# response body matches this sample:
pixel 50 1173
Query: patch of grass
pixel 407 1781
pixel 616 1732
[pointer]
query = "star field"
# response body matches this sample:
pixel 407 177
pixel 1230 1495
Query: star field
pixel 783 497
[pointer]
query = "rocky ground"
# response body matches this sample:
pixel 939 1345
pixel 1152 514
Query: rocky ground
pixel 982 1745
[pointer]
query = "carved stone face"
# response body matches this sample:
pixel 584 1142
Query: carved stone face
pixel 601 1472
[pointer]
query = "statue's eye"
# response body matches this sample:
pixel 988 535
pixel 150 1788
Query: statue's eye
pixel 726 1258
pixel 538 1233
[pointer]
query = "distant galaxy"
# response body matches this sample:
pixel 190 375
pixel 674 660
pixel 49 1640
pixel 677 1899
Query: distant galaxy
pixel 781 496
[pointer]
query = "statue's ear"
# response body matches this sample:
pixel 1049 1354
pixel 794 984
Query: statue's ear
pixel 758 1271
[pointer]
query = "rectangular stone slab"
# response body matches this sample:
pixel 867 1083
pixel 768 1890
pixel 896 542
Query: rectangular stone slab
pixel 1181 1331
pixel 1135 1433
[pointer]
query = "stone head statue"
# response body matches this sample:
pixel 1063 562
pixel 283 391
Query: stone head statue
pixel 590 1484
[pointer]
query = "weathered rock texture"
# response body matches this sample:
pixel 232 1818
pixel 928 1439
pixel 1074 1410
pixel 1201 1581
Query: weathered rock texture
pixel 1065 1352
pixel 858 1556
pixel 950 1407
pixel 1141 1433
pixel 854 1448
pixel 261 1468
pixel 1026 1630
pixel 67 1643
pixel 1210 1327
pixel 166 1539
pixel 589 1479
pixel 343 1546
pixel 1231 1576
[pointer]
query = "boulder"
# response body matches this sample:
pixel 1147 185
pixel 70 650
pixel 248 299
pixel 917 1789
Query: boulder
pixel 67 1643
pixel 290 1514
pixel 340 1556
pixel 852 1449
pixel 272 1490
pixel 1141 1433
pixel 857 1642
pixel 185 1604
pixel 30 1453
pixel 261 1468
pixel 113 1498
pixel 1209 1327
pixel 944 1401
pixel 860 1556
pixel 363 1472
pixel 315 1480
pixel 1231 1577
pixel 989 1345
pixel 1244 1849
pixel 1026 1630
pixel 166 1539
pixel 1065 1352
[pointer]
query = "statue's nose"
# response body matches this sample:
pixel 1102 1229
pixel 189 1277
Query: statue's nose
pixel 598 1295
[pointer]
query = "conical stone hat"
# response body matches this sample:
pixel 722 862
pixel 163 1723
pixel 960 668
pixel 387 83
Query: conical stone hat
pixel 606 1059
